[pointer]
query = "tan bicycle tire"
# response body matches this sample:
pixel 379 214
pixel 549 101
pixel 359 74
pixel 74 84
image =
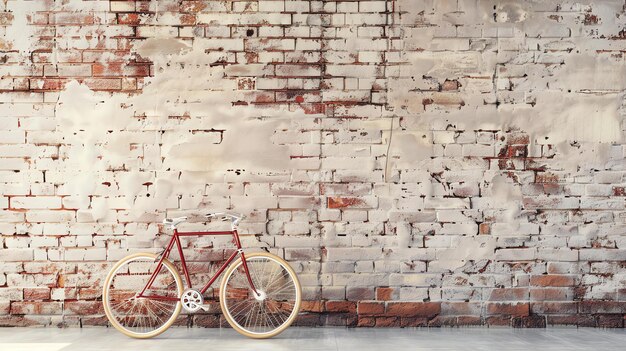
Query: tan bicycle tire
pixel 291 318
pixel 105 294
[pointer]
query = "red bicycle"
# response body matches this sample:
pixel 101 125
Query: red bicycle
pixel 259 295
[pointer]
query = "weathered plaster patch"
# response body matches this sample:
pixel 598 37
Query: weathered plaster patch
pixel 510 11
pixel 474 248
pixel 557 112
pixel 218 135
pixel 152 47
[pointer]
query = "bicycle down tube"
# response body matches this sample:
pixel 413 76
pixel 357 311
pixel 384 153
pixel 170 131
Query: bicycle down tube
pixel 176 240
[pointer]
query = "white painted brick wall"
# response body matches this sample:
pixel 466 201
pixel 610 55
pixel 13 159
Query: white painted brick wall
pixel 391 151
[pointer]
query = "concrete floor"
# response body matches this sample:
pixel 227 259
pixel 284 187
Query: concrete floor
pixel 313 339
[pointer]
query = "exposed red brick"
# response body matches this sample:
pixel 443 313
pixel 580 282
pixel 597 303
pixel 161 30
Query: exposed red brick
pixel 552 280
pixel 136 70
pixel 341 319
pixel 509 294
pixel 550 307
pixel 344 202
pixel 104 83
pixel 264 97
pixel 359 293
pixel 514 151
pixel 188 19
pixel 246 83
pixel 384 293
pixel 590 19
pixel 47 84
pixel 132 19
pixel 99 321
pixel 39 307
pixel 84 307
pixel 308 320
pixel 387 322
pixel 577 320
pixel 610 321
pixel 551 294
pixel 20 321
pixel 341 306
pixel 484 228
pixel 5 308
pixel 89 293
pixel 602 307
pixel 518 139
pixel 36 293
pixel 546 177
pixel 312 109
pixel 469 320
pixel 366 322
pixel 512 309
pixel 619 191
pixel 206 320
pixel 529 322
pixel 413 322
pixel 108 69
pixel 192 6
pixel 506 164
pixel 6 18
pixel 252 57
pixel 413 309
pixel 501 321
pixel 371 308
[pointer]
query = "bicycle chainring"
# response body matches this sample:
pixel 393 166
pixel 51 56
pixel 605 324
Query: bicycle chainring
pixel 192 300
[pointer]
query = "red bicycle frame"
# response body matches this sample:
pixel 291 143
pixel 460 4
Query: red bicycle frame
pixel 176 240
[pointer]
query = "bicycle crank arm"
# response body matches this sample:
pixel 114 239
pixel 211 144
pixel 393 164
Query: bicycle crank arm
pixel 205 308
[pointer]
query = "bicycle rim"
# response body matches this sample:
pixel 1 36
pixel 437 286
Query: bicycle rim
pixel 141 317
pixel 280 301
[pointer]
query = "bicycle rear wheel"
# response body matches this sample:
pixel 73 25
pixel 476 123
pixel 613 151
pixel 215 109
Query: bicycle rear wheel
pixel 142 317
pixel 274 309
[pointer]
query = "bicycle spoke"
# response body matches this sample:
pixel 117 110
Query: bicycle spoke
pixel 160 307
pixel 272 317
pixel 249 314
pixel 286 285
pixel 156 314
pixel 273 309
pixel 275 270
pixel 240 308
pixel 144 315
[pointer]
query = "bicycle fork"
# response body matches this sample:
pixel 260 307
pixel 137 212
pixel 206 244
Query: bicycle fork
pixel 245 268
pixel 244 263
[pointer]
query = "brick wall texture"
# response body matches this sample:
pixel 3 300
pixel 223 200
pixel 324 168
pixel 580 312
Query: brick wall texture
pixel 420 163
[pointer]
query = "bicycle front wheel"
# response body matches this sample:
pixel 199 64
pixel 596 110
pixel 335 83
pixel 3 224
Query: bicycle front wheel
pixel 142 317
pixel 277 303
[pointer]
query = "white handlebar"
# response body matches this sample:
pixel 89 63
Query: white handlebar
pixel 234 217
